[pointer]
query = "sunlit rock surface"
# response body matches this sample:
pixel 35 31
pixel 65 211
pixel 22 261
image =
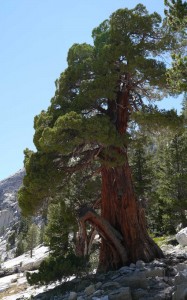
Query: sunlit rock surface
pixel 9 210
pixel 181 237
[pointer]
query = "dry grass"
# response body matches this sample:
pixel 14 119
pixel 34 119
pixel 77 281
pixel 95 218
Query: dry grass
pixel 13 289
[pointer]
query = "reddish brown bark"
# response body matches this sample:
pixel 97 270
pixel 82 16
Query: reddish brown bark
pixel 108 233
pixel 122 223
pixel 123 212
pixel 119 205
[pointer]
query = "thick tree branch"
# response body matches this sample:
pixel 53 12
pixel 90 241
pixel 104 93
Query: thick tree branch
pixel 108 233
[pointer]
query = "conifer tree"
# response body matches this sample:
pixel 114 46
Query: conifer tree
pixel 172 182
pixel 86 128
pixel 140 156
pixel 176 12
pixel 157 157
pixel 32 238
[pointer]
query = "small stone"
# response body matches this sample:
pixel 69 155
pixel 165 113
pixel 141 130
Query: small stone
pixel 140 264
pixel 132 266
pixel 110 285
pixel 172 271
pixel 72 296
pixel 13 280
pixel 126 270
pixel 157 263
pixel 153 272
pixel 89 290
pixel 181 267
pixel 104 297
pixel 98 293
pixel 98 285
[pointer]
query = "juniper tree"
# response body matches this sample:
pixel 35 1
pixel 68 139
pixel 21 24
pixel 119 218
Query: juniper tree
pixel 86 128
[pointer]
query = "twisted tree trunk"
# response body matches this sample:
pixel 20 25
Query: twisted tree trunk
pixel 120 208
pixel 119 205
pixel 122 224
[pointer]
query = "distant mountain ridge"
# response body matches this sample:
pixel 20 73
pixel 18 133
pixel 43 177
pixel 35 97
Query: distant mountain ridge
pixel 11 183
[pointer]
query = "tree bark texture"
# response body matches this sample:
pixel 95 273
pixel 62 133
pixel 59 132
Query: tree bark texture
pixel 120 208
pixel 119 205
pixel 108 233
pixel 122 224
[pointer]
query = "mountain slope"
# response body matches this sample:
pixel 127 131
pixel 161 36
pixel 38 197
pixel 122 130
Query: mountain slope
pixel 9 210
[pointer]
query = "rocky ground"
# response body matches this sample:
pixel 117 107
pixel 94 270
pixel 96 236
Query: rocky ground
pixel 160 279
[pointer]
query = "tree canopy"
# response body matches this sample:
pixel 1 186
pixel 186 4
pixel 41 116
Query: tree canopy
pixel 86 129
pixel 80 125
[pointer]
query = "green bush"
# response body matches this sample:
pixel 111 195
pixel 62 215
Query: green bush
pixel 58 268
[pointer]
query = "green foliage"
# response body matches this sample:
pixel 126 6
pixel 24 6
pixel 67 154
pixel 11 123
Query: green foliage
pixel 32 238
pixel 176 13
pixel 62 218
pixel 61 224
pixel 160 240
pixel 39 182
pixel 169 202
pixel 155 120
pixel 21 246
pixel 27 236
pixel 81 119
pixel 158 161
pixel 58 268
pixel 177 74
pixel 61 230
pixel 139 158
pixel 11 239
pixel 173 189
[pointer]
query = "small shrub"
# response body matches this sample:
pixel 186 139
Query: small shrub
pixel 58 268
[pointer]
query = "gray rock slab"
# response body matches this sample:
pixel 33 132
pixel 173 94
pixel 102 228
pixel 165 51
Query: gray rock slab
pixel 134 282
pixel 153 272
pixel 139 293
pixel 89 290
pixel 180 293
pixel 121 294
pixel 72 296
pixel 110 285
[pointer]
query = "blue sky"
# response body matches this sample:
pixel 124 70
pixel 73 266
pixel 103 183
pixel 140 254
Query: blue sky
pixel 35 36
